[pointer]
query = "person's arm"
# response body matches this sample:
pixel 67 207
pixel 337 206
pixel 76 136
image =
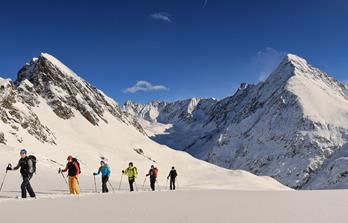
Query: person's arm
pixel 66 168
pixel 148 174
pixel 98 171
pixel 18 165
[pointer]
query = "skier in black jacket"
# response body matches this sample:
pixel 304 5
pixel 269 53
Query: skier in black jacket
pixel 26 166
pixel 172 175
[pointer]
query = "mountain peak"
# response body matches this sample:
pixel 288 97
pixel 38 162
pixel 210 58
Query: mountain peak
pixel 295 58
pixel 296 61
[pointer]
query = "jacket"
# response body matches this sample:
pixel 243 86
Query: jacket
pixel 172 174
pixel 104 170
pixel 153 173
pixel 72 168
pixel 131 172
pixel 26 165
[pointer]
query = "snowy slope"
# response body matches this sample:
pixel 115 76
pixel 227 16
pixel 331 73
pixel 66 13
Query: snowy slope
pixel 204 206
pixel 54 113
pixel 289 127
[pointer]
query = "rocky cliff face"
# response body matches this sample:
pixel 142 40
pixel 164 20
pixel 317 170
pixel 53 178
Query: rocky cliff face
pixel 291 126
pixel 46 80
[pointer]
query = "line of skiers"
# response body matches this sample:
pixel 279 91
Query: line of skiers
pixel 27 166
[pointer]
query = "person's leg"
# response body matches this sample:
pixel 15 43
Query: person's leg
pixel 106 184
pixel 30 189
pixel 76 186
pixel 71 181
pixel 103 184
pixel 173 183
pixel 153 181
pixel 24 187
pixel 131 181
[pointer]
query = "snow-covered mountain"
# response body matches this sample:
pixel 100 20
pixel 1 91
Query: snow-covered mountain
pixel 54 113
pixel 293 127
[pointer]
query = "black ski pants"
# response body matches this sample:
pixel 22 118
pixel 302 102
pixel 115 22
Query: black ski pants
pixel 131 182
pixel 105 180
pixel 27 187
pixel 152 183
pixel 172 183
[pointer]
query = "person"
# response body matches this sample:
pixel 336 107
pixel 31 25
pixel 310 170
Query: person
pixel 132 173
pixel 172 175
pixel 104 169
pixel 27 170
pixel 153 176
pixel 73 168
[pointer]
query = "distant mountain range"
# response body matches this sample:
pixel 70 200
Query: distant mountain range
pixel 53 113
pixel 292 126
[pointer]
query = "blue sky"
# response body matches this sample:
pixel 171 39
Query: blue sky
pixel 174 49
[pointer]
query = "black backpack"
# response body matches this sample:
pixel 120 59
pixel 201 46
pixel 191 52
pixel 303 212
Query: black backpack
pixel 78 164
pixel 34 160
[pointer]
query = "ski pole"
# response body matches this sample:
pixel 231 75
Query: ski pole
pixel 136 187
pixel 60 171
pixel 119 186
pixel 95 184
pixel 3 180
pixel 167 184
pixel 144 183
pixel 113 189
pixel 159 188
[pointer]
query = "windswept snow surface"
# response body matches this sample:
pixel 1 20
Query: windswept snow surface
pixel 199 206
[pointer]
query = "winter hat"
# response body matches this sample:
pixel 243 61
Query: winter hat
pixel 23 151
pixel 69 157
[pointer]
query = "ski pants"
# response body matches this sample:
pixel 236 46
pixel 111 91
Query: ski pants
pixel 131 182
pixel 152 183
pixel 27 187
pixel 172 183
pixel 105 180
pixel 74 185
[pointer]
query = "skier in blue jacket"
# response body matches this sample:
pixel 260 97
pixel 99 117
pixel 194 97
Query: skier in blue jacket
pixel 105 171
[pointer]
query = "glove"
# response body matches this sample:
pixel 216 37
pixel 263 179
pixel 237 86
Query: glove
pixel 59 171
pixel 94 174
pixel 8 168
pixel 122 171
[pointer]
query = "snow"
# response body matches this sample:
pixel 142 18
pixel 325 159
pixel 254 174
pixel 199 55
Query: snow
pixel 67 71
pixel 286 127
pixel 4 82
pixel 186 206
pixel 320 101
pixel 115 140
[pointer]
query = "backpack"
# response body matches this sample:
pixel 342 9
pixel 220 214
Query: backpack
pixel 34 160
pixel 78 164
